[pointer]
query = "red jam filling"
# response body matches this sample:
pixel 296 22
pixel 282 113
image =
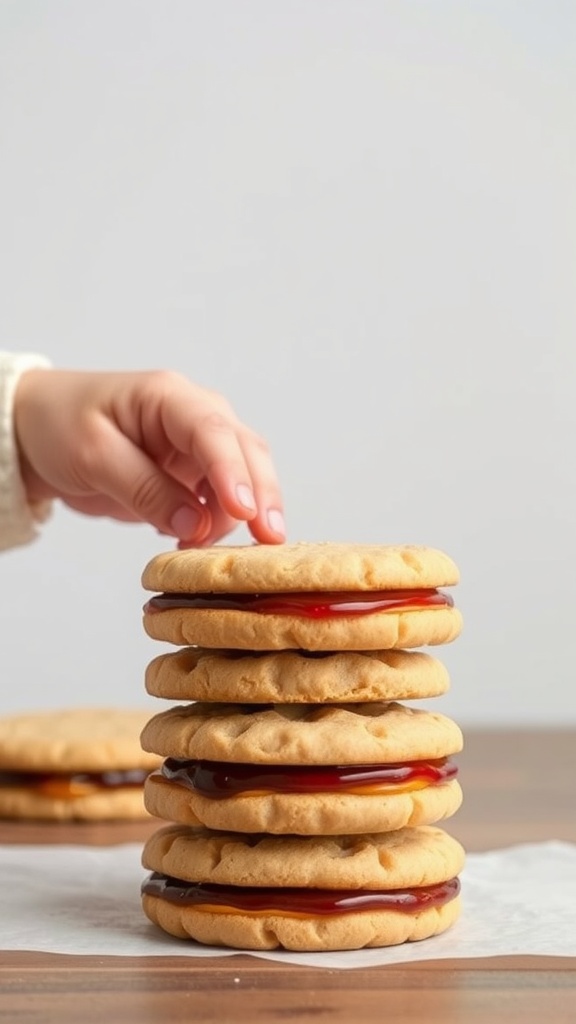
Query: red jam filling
pixel 316 605
pixel 217 779
pixel 103 780
pixel 307 902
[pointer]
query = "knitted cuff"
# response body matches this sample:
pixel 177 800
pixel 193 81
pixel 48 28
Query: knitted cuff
pixel 19 520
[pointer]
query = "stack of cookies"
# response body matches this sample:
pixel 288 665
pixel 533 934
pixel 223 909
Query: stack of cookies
pixel 303 793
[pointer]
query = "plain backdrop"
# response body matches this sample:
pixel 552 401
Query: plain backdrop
pixel 356 219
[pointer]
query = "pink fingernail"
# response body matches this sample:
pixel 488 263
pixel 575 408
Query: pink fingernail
pixel 246 497
pixel 185 522
pixel 276 522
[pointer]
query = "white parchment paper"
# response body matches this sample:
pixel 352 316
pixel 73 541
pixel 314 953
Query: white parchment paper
pixel 78 899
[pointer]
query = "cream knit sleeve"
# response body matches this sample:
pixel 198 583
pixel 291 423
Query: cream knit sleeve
pixel 19 520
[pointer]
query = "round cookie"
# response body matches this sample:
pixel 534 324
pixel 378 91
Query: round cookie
pixel 74 764
pixel 280 568
pixel 286 677
pixel 93 739
pixel 315 867
pixel 123 803
pixel 415 614
pixel 382 860
pixel 253 631
pixel 302 813
pixel 302 734
pixel 374 735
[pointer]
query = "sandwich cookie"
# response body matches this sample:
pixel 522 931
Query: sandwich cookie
pixel 302 769
pixel 74 764
pixel 315 597
pixel 302 893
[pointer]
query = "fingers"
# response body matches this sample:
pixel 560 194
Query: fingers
pixel 150 447
pixel 222 525
pixel 112 466
pixel 268 524
pixel 234 460
pixel 240 473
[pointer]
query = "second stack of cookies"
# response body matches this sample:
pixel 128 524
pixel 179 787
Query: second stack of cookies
pixel 294 771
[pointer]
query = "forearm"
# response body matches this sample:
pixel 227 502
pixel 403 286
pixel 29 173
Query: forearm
pixel 19 520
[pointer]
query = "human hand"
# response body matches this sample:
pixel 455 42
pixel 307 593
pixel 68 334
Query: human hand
pixel 145 447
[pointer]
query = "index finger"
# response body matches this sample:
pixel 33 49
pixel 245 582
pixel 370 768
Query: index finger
pixel 235 461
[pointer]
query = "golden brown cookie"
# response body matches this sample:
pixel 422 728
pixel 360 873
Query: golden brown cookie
pixel 315 597
pixel 74 764
pixel 302 893
pixel 281 568
pixel 284 813
pixel 78 801
pixel 287 677
pixel 304 769
pixel 301 734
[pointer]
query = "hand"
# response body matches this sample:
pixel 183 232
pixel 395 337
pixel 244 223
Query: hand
pixel 145 447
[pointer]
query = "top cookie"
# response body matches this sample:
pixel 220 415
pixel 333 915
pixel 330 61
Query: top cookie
pixel 271 568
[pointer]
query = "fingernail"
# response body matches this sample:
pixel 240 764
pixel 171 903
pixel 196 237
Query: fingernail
pixel 276 522
pixel 185 522
pixel 246 497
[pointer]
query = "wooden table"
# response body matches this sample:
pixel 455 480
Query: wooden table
pixel 518 786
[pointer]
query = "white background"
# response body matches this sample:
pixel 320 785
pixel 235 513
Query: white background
pixel 357 220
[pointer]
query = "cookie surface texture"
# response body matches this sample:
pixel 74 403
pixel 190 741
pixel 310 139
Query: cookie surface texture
pixel 308 814
pixel 390 860
pixel 294 677
pixel 74 739
pixel 347 931
pixel 266 568
pixel 247 630
pixel 410 859
pixel 302 734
